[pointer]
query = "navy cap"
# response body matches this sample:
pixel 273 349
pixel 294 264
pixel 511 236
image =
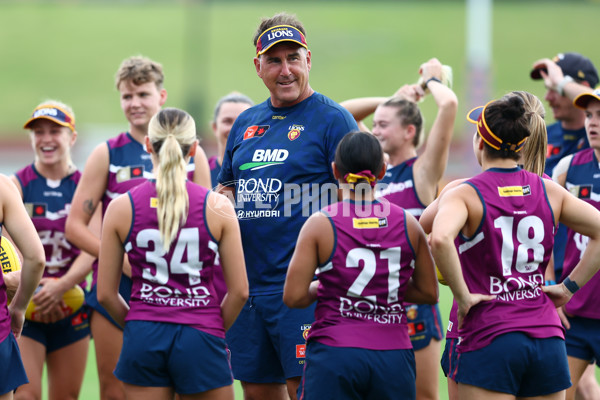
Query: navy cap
pixel 574 65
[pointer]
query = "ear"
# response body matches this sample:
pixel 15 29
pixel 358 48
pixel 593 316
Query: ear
pixel 382 172
pixel 163 96
pixel 308 59
pixel 336 172
pixel 213 125
pixel 479 142
pixel 257 66
pixel 193 148
pixel 411 131
pixel 148 145
pixel 73 138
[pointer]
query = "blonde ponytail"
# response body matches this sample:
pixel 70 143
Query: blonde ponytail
pixel 172 132
pixel 534 151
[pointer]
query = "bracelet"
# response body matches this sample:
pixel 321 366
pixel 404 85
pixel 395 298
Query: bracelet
pixel 560 88
pixel 433 78
pixel 550 282
pixel 572 286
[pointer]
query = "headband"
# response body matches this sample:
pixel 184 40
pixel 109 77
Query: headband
pixel 477 116
pixel 54 114
pixel 277 34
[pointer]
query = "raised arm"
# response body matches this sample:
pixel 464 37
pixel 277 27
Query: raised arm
pixel 431 165
pixel 555 79
pixel 362 107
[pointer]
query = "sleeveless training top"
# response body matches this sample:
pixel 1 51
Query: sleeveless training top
pixel 215 168
pixel 359 300
pixel 129 165
pixel 219 280
pixel 175 287
pixel 583 181
pixel 507 256
pixel 398 187
pixel 48 203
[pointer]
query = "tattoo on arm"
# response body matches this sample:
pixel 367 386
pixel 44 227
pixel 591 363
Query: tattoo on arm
pixel 89 207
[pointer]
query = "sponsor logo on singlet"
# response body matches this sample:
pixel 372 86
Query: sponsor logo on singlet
pixel 581 191
pixel 514 191
pixel 131 172
pixel 369 223
pixel 36 209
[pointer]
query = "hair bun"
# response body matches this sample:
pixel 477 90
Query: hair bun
pixel 515 108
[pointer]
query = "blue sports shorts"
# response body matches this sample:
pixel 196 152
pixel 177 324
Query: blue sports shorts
pixel 353 373
pixel 583 339
pixel 450 358
pixel 92 298
pixel 12 372
pixel 61 333
pixel 160 354
pixel 268 340
pixel 517 364
pixel 424 323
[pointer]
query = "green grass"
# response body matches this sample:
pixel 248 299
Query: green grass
pixel 90 389
pixel 71 50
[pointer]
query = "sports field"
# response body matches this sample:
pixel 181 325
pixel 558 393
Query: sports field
pixel 70 50
pixel 90 384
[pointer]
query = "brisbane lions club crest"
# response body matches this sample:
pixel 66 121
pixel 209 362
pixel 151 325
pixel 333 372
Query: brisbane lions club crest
pixel 294 132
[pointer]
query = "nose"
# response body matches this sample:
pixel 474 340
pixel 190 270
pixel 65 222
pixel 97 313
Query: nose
pixel 285 68
pixel 550 95
pixel 135 101
pixel 45 135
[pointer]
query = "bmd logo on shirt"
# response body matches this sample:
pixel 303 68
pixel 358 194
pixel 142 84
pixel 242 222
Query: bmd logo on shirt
pixel 263 158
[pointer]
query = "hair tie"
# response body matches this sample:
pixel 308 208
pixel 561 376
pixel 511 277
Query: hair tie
pixel 359 176
pixel 477 116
